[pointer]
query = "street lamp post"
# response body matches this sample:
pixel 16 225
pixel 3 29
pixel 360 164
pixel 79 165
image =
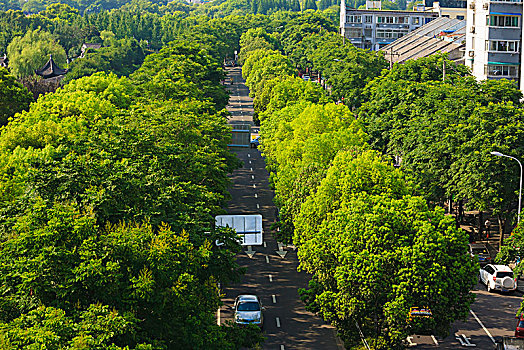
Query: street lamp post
pixel 498 154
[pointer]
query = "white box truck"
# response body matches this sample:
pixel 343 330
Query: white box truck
pixel 248 227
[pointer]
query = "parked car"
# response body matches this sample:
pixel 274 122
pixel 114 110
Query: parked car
pixel 498 277
pixel 306 77
pixel 248 310
pixel 480 250
pixel 255 142
pixel 519 331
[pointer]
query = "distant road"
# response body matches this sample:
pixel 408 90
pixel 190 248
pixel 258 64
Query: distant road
pixel 274 279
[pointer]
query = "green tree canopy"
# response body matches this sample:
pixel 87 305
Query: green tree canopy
pixel 267 68
pixel 300 142
pixel 30 52
pixel 14 97
pixel 375 251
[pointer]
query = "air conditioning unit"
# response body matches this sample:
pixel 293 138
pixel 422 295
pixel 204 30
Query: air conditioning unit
pixel 472 5
pixel 472 29
pixel 485 6
pixel 471 53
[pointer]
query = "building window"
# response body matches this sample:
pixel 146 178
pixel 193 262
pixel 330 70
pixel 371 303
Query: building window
pixel 502 21
pixel 460 17
pixel 502 71
pixel 502 45
pixel 353 19
pixel 368 19
pixel 354 32
pixel 390 33
pixel 393 20
pixel 415 20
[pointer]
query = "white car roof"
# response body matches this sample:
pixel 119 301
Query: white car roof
pixel 502 268
pixel 247 297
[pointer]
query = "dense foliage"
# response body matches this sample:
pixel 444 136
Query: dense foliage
pixel 444 131
pixel 106 210
pixel 14 97
pixel 110 184
pixel 373 246
pixel 30 52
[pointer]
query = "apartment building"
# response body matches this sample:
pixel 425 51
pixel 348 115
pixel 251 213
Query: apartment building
pixel 493 39
pixel 374 28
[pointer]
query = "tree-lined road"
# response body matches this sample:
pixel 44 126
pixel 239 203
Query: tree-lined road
pixel 274 279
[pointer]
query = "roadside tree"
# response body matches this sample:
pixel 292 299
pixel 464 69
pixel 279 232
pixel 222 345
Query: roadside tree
pixel 375 250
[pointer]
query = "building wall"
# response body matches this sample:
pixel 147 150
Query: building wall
pixel 493 51
pixel 374 29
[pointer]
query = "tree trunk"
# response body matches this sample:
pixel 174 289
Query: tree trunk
pixel 501 230
pixel 450 205
pixel 481 225
pixel 461 211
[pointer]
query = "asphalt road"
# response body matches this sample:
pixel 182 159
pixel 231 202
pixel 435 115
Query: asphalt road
pixel 494 316
pixel 287 324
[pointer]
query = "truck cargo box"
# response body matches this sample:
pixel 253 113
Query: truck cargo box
pixel 248 227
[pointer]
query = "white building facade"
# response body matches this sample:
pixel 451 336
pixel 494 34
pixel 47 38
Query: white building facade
pixel 374 29
pixel 494 39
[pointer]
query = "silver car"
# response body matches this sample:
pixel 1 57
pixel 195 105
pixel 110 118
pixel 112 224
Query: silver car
pixel 248 310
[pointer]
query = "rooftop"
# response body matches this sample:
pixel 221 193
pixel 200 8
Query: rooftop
pixel 443 34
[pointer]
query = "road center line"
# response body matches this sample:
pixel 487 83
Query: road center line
pixel 434 340
pixel 254 186
pixel 482 325
pixel 274 299
pixel 265 246
pixel 249 155
pixel 249 162
pixel 251 169
pixel 252 177
pixel 256 195
pixel 278 322
pixel 282 347
pixel 258 207
pixel 267 259
pixel 270 278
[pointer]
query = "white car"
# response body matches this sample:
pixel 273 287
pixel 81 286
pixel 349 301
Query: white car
pixel 248 310
pixel 498 277
pixel 306 77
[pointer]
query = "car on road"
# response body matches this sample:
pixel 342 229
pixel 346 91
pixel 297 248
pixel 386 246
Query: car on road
pixel 498 277
pixel 248 310
pixel 479 251
pixel 255 142
pixel 306 77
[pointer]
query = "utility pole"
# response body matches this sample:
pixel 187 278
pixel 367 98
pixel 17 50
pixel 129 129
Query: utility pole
pixel 391 53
